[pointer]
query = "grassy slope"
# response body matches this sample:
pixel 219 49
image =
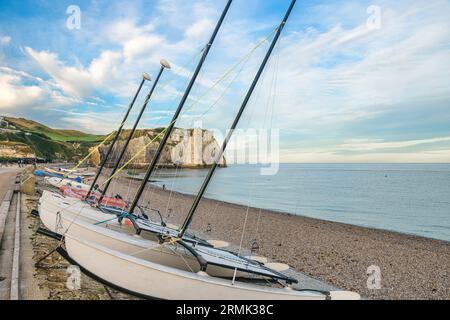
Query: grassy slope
pixel 54 134
pixel 49 143
pixel 40 144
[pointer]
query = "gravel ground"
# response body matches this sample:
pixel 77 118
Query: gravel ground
pixel 49 279
pixel 338 254
pixel 411 267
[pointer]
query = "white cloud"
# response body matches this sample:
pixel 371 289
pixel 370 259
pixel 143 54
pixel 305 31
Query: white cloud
pixel 15 95
pixel 200 29
pixel 122 31
pixel 5 40
pixel 326 78
pixel 330 78
pixel 73 81
pixel 141 45
pixel 370 145
pixel 115 71
pixel 23 91
pixel 302 156
pixel 135 45
pixel 91 122
pixel 377 151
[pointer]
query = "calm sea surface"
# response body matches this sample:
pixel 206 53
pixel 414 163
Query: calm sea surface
pixel 408 198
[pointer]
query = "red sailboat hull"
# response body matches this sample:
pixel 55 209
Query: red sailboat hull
pixel 80 194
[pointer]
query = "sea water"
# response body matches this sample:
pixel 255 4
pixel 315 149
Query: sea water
pixel 407 198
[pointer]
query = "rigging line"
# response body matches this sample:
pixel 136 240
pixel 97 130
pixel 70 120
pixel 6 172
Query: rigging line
pixel 149 195
pixel 179 70
pixel 270 100
pixel 160 120
pixel 236 121
pixel 77 216
pixel 194 91
pixel 181 256
pixel 175 120
pixel 244 228
pixel 193 122
pixel 225 91
pixel 270 106
pixel 89 155
pixel 277 66
pixel 58 216
pixel 164 66
pixel 240 246
pixel 147 198
pixel 272 111
pixel 129 185
pixel 212 214
pixel 157 123
pixel 172 197
pixel 117 185
pixel 74 219
pixel 171 191
pixel 148 248
pixel 233 67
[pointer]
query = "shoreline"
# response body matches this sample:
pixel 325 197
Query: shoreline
pixel 412 267
pixel 274 211
pixel 412 200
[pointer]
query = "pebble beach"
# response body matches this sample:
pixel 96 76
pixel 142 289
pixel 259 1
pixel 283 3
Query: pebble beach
pixel 336 254
pixel 411 267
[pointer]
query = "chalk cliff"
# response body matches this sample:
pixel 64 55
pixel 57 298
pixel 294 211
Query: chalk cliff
pixel 15 150
pixel 188 148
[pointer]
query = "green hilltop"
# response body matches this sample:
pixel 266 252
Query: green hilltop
pixel 42 141
pixel 54 134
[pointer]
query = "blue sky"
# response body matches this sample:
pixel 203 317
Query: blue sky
pixel 337 88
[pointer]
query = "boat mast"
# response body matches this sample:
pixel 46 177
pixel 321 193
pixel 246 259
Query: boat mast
pixel 171 126
pixel 219 156
pixel 164 65
pixel 145 77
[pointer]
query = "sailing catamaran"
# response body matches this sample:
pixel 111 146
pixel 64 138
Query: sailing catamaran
pixel 113 202
pixel 139 223
pixel 94 186
pixel 177 255
pixel 92 195
pixel 164 65
pixel 59 182
pixel 84 174
pixel 176 266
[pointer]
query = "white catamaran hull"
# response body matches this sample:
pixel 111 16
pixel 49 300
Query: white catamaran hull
pixel 149 279
pixel 78 173
pixel 55 207
pixel 58 219
pixel 69 209
pixel 59 182
pixel 80 221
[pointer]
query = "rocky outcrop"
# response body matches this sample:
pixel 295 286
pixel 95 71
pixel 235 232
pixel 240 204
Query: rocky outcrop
pixel 15 150
pixel 188 148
